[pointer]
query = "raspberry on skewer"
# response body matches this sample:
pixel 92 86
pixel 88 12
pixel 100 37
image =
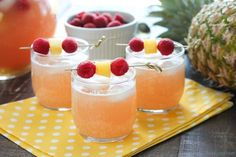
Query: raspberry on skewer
pixel 166 46
pixel 119 66
pixel 136 44
pixel 69 45
pixel 86 69
pixel 41 45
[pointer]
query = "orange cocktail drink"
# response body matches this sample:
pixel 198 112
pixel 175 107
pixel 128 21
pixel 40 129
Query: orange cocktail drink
pixel 158 91
pixel 104 109
pixel 51 77
pixel 20 23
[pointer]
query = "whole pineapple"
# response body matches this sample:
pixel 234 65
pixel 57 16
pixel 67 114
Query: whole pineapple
pixel 212 42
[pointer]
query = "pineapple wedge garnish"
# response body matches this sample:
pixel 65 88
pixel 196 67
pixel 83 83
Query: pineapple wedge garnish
pixel 55 46
pixel 103 68
pixel 150 46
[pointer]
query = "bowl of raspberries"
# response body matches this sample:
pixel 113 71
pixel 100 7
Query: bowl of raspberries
pixel 116 26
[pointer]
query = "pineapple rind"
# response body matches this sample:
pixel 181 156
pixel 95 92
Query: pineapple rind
pixel 212 42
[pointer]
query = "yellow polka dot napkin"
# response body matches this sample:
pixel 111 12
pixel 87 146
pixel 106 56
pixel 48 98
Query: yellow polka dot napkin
pixel 45 132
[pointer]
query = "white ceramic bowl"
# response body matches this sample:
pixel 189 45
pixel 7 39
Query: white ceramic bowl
pixel 108 49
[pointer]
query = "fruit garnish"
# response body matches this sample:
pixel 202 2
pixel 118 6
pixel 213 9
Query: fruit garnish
pixel 86 69
pixel 136 44
pixel 41 45
pixel 55 46
pixel 1 16
pixel 69 45
pixel 89 25
pixel 23 4
pixel 119 18
pixel 96 13
pixel 96 20
pixel 80 14
pixel 87 18
pixel 76 22
pixel 114 23
pixel 166 46
pixel 150 46
pixel 100 21
pixel 119 66
pixel 103 68
pixel 108 17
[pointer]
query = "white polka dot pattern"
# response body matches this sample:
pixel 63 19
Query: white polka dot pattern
pixel 45 132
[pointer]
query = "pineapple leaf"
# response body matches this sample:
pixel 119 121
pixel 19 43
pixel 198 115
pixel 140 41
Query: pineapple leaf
pixel 177 15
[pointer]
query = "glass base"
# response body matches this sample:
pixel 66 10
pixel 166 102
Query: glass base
pixel 103 140
pixel 6 74
pixel 158 111
pixel 57 109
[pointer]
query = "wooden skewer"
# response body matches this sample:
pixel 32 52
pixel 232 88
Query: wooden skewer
pixel 99 42
pixel 29 48
pixel 89 45
pixel 122 44
pixel 149 65
pixel 24 48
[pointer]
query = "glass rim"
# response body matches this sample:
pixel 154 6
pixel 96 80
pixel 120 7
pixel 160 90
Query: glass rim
pixel 163 58
pixel 84 42
pixel 86 81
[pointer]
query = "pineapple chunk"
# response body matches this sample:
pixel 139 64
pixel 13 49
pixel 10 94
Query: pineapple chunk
pixel 1 16
pixel 55 46
pixel 150 46
pixel 103 68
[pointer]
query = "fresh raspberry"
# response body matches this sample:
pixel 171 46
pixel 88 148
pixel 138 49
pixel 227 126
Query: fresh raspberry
pixel 76 22
pixel 100 21
pixel 41 45
pixel 114 23
pixel 166 46
pixel 136 44
pixel 118 17
pixel 107 16
pixel 80 14
pixel 23 4
pixel 89 25
pixel 69 45
pixel 119 66
pixel 96 13
pixel 86 69
pixel 87 18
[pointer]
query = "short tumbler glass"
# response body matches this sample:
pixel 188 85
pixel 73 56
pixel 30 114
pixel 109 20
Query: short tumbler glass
pixel 51 77
pixel 104 109
pixel 159 92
